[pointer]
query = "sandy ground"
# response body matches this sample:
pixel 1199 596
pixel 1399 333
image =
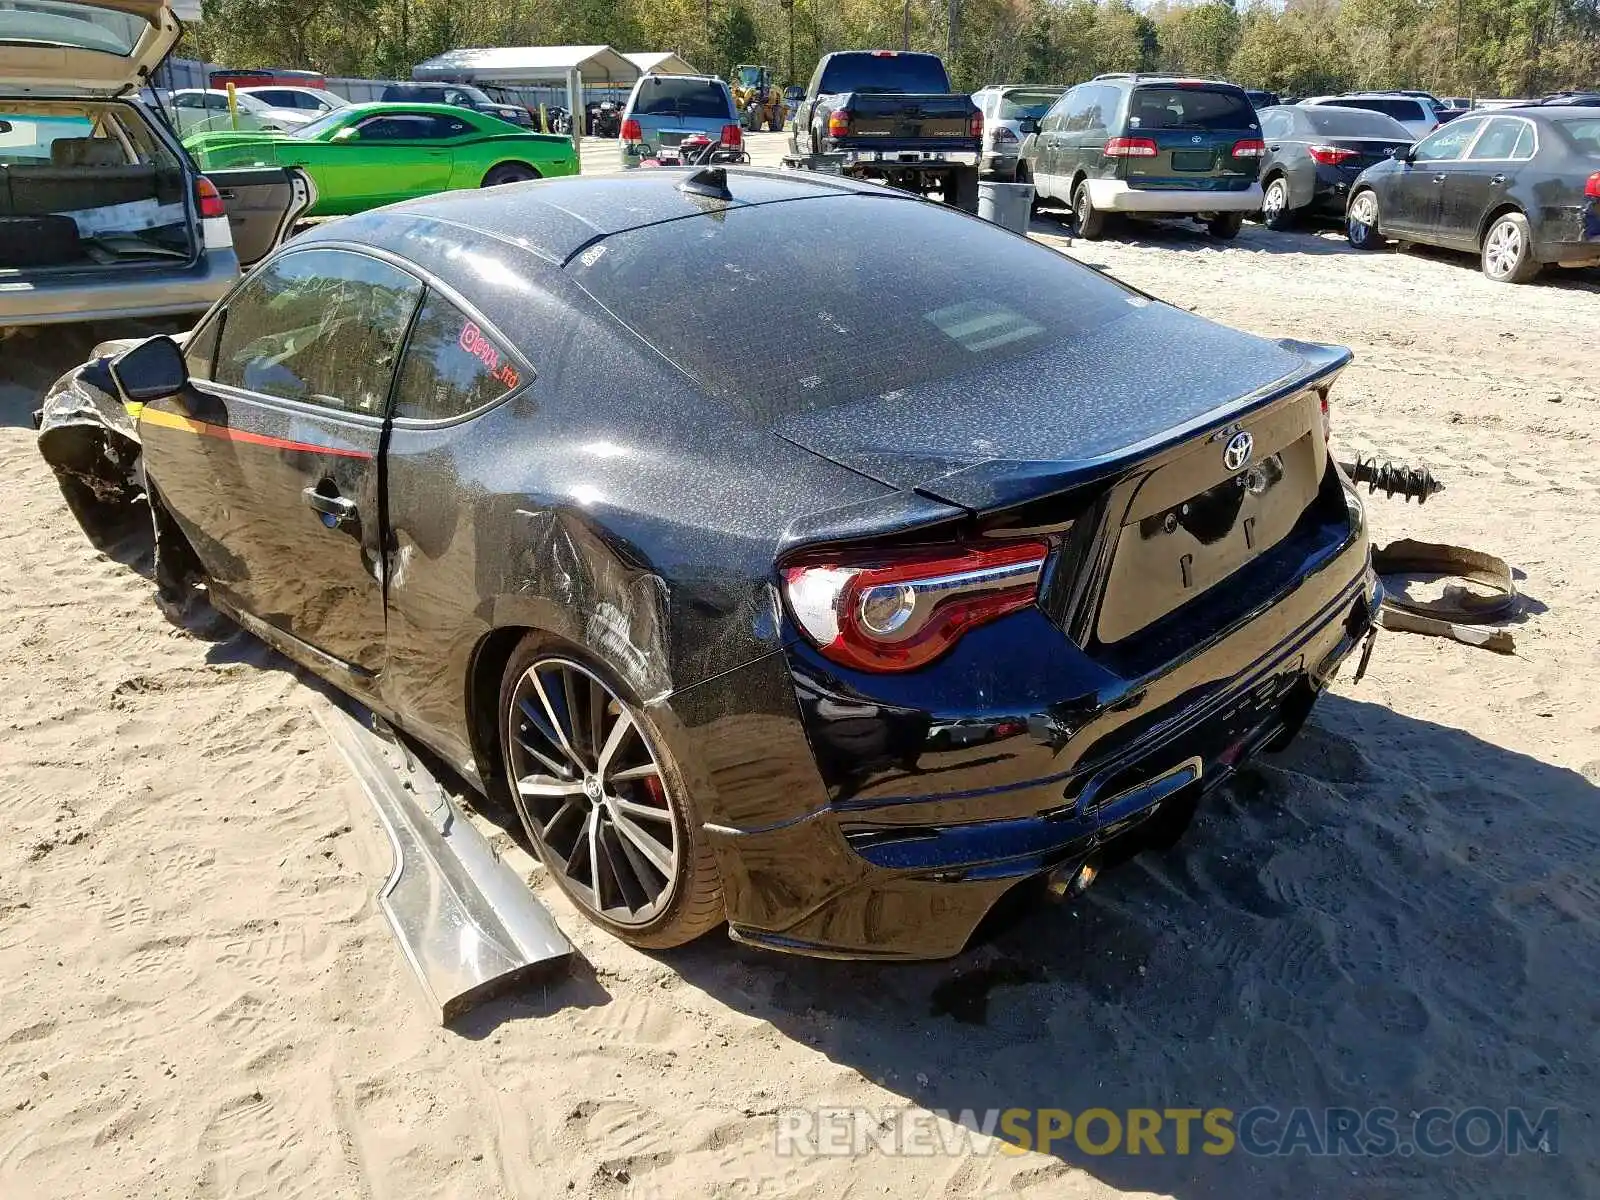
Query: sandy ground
pixel 199 998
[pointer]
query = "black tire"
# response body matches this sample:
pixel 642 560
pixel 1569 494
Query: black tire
pixel 511 172
pixel 1090 221
pixel 1225 226
pixel 1507 251
pixel 1024 175
pixel 1361 222
pixel 695 904
pixel 1276 212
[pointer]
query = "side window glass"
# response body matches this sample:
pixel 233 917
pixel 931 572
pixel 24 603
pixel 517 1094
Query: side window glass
pixel 1448 142
pixel 1526 143
pixel 320 326
pixel 1498 140
pixel 1275 125
pixel 1056 117
pixel 1097 115
pixel 451 365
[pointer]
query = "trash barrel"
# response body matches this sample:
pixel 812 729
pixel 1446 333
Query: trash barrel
pixel 1006 204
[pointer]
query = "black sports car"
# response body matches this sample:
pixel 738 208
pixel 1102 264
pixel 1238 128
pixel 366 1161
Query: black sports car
pixel 836 639
pixel 1314 153
pixel 1520 187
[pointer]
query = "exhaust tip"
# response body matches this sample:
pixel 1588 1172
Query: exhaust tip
pixel 1066 882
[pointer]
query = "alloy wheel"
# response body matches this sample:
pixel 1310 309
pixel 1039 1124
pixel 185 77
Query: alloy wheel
pixel 593 792
pixel 1503 251
pixel 1275 201
pixel 1364 211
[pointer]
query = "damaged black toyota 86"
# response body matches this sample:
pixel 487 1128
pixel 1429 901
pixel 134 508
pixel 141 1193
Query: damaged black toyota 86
pixel 834 634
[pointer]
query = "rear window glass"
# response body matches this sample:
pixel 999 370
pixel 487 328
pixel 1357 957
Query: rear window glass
pixel 664 96
pixel 1584 133
pixel 1190 108
pixel 1354 122
pixel 452 366
pixel 71 26
pixel 1016 105
pixel 1400 110
pixel 885 73
pixel 986 297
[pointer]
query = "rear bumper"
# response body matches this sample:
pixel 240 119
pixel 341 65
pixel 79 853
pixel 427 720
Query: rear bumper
pixel 1113 195
pixel 1568 235
pixel 999 166
pixel 108 294
pixel 865 828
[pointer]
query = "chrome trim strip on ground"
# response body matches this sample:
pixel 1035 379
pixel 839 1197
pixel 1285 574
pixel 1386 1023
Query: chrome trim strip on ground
pixel 469 927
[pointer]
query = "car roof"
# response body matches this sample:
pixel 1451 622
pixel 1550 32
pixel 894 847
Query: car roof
pixel 556 218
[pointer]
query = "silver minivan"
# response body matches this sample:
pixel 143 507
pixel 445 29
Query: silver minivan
pixel 102 213
pixel 662 110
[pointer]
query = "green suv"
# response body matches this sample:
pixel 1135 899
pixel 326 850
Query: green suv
pixel 1148 146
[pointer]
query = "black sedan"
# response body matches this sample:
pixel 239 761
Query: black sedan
pixel 834 639
pixel 1520 187
pixel 1315 153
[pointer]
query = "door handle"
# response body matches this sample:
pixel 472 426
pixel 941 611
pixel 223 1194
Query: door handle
pixel 1498 181
pixel 1440 178
pixel 334 509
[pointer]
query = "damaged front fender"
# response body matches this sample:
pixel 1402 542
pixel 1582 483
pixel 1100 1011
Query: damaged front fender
pixel 88 435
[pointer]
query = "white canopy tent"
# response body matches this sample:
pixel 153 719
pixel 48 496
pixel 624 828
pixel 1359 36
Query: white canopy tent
pixel 660 63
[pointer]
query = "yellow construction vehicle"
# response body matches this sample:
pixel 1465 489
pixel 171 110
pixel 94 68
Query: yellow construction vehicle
pixel 758 98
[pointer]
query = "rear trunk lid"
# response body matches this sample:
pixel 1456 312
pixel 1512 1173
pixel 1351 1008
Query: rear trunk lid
pixel 72 47
pixel 1364 152
pixel 1195 129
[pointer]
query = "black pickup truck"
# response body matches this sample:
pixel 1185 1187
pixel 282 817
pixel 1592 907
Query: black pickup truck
pixel 890 115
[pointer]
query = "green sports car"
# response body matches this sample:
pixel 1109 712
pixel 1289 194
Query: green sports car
pixel 369 155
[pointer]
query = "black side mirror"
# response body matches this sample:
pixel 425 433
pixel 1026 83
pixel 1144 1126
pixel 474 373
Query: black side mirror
pixel 1405 154
pixel 1028 125
pixel 151 370
pixel 5 126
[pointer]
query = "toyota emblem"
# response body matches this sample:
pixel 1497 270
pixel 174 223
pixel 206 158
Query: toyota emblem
pixel 1237 452
pixel 1197 139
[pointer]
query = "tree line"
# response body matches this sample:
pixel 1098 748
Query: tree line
pixel 1451 47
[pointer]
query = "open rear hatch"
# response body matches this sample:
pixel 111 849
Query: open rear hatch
pixel 70 47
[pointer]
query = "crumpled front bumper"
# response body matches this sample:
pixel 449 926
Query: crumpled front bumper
pixel 87 434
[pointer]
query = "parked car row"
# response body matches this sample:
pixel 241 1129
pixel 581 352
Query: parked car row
pixel 1519 187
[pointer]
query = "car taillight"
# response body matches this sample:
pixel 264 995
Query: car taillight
pixel 1002 134
pixel 1592 188
pixel 1125 147
pixel 732 135
pixel 207 199
pixel 839 124
pixel 1327 421
pixel 1249 148
pixel 1330 156
pixel 632 131
pixel 975 125
pixel 900 611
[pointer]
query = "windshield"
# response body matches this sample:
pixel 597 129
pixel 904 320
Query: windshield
pixel 71 26
pixel 670 96
pixel 1584 133
pixel 323 123
pixel 815 269
pixel 1190 108
pixel 1014 106
pixel 749 77
pixel 884 73
pixel 1354 122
